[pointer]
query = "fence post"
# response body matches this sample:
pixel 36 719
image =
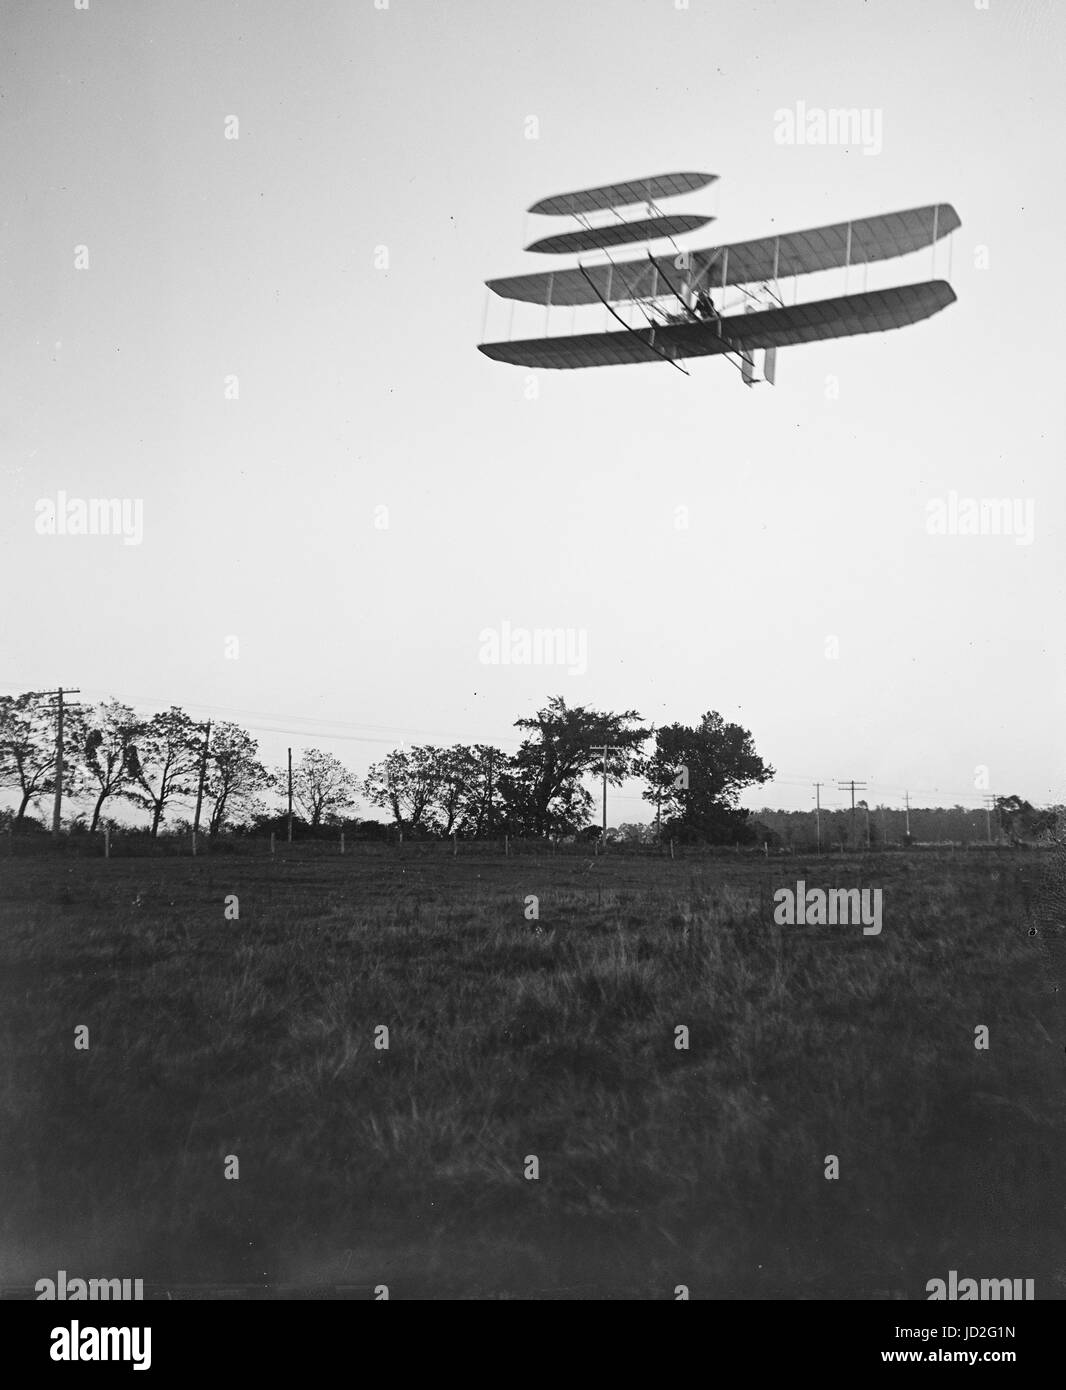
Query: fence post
pixel 193 837
pixel 107 843
pixel 272 842
pixel 672 850
pixel 455 845
pixel 506 846
pixel 342 842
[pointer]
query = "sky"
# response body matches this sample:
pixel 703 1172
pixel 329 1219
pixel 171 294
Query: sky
pixel 244 249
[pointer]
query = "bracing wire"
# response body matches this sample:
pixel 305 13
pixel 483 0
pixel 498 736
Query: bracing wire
pixel 636 334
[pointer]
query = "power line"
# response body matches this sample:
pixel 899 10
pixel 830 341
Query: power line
pixel 331 730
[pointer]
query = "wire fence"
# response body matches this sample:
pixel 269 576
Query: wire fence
pixel 140 845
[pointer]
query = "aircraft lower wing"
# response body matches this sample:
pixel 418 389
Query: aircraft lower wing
pixel 877 311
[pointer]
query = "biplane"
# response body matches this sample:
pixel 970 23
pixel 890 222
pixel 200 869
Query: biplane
pixel 719 300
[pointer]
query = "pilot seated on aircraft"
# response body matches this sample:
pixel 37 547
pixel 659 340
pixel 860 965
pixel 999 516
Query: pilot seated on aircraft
pixel 702 308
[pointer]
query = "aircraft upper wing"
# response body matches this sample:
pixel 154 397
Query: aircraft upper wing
pixel 620 195
pixel 796 253
pixel 873 312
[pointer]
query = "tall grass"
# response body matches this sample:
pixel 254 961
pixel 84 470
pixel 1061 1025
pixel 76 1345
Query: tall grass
pixel 509 1039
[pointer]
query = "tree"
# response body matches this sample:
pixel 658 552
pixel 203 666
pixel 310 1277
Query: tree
pixel 542 790
pixel 1020 820
pixel 407 782
pixel 464 794
pixel 667 777
pixel 631 833
pixel 235 776
pixel 164 763
pixel 696 775
pixel 111 731
pixel 480 768
pixel 322 786
pixel 28 750
pixel 454 768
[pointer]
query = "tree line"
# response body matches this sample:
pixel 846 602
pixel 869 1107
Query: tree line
pixel 1008 818
pixel 692 775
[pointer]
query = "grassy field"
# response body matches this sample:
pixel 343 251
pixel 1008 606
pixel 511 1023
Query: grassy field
pixel 406 1167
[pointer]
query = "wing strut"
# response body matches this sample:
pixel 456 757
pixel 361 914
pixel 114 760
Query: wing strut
pixel 667 282
pixel 743 365
pixel 626 326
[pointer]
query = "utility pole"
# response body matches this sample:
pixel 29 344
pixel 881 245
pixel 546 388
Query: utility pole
pixel 990 803
pixel 57 804
pixel 290 796
pixel 818 813
pixel 853 786
pixel 203 773
pixel 605 747
pixel 658 802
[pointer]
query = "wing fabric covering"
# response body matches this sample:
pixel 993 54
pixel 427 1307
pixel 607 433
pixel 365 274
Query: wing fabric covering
pixel 877 311
pixel 745 262
pixel 618 234
pixel 620 195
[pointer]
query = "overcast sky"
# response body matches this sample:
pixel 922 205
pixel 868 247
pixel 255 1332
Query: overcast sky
pixel 332 258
